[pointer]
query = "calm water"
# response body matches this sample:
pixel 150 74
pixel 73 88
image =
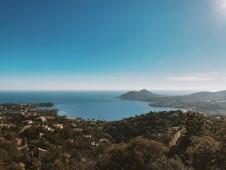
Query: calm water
pixel 100 105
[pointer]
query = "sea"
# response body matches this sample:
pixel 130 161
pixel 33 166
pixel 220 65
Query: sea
pixel 89 105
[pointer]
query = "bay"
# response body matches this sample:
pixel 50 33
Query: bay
pixel 99 105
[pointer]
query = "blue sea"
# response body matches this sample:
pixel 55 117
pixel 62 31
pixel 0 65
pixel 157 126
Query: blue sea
pixel 101 105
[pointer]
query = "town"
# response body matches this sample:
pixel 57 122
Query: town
pixel 36 131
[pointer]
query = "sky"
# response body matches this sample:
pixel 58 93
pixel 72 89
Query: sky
pixel 113 45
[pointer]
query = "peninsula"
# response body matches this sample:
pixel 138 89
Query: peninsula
pixel 208 102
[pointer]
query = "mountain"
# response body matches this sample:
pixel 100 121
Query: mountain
pixel 209 94
pixel 142 95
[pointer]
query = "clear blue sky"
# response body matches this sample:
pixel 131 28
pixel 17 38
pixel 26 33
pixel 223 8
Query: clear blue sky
pixel 118 44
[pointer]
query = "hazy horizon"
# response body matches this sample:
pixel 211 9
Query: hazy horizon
pixel 113 45
pixel 156 91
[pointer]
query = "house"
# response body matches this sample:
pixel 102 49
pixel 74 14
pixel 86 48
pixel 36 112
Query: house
pixel 78 130
pixel 18 141
pixel 22 113
pixel 28 122
pixel 70 141
pixel 73 124
pixel 103 140
pixel 50 129
pixel 35 114
pixel 93 143
pixel 88 136
pixel 83 159
pixel 43 119
pixel 42 153
pixel 47 128
pixel 59 126
pixel 41 135
pixel 174 129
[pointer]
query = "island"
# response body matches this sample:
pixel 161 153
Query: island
pixel 208 102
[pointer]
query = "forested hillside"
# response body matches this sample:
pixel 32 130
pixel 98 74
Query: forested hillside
pixel 40 139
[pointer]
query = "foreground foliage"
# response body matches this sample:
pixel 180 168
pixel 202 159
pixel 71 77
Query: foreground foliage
pixel 39 139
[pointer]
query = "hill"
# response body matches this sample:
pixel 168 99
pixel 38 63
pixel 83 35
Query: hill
pixel 209 94
pixel 142 95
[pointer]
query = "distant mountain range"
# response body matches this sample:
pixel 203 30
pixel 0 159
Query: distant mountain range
pixel 209 94
pixel 211 102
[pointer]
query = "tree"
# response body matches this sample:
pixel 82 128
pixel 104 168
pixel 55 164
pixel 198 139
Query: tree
pixel 195 124
pixel 168 164
pixel 139 153
pixel 202 152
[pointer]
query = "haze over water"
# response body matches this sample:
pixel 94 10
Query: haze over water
pixel 83 104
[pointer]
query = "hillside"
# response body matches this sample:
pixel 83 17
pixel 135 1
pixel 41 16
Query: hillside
pixel 31 138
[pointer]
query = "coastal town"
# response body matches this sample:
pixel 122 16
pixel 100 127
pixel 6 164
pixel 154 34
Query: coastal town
pixel 34 131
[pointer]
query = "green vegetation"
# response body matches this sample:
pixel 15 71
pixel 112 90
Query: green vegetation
pixel 33 138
